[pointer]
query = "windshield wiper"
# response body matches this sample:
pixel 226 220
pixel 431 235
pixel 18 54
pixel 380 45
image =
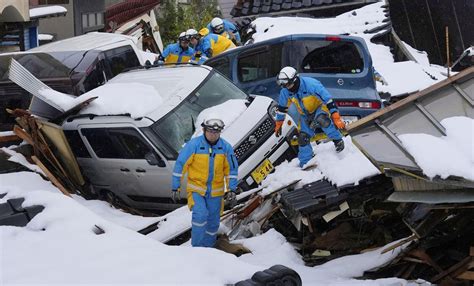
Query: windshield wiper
pixel 192 121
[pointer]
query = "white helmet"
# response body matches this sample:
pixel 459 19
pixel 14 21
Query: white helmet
pixel 182 34
pixel 191 33
pixel 286 76
pixel 213 122
pixel 217 25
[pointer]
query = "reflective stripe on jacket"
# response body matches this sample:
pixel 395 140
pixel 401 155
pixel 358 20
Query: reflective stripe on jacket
pixel 209 168
pixel 173 53
pixel 219 43
pixel 310 96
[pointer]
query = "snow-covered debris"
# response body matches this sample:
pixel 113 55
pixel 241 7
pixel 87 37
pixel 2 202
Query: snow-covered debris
pixel 451 155
pixel 348 167
pixel 401 77
pixel 61 237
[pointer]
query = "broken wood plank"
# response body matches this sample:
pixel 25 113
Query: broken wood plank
pixel 400 243
pixel 9 138
pixel 50 176
pixel 461 264
pixel 23 135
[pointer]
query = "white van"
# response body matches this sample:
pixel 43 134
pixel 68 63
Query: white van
pixel 132 156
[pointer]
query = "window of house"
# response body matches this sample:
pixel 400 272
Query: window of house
pixel 92 20
pixel 260 64
pixel 77 146
pixel 119 59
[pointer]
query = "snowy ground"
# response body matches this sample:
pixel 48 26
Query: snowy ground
pixel 60 245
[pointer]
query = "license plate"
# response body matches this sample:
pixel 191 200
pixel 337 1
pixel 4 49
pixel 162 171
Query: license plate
pixel 349 119
pixel 261 172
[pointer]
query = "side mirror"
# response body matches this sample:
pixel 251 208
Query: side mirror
pixel 154 160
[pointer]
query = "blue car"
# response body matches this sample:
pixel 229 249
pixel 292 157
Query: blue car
pixel 342 63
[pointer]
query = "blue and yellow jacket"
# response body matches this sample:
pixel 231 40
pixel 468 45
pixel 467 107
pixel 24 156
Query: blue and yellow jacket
pixel 174 53
pixel 310 96
pixel 230 31
pixel 211 45
pixel 209 167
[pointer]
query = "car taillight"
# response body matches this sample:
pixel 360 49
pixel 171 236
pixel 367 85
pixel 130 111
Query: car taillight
pixel 333 38
pixel 360 104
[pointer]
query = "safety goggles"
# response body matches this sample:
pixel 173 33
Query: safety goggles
pixel 213 125
pixel 183 39
pixel 284 82
pixel 218 29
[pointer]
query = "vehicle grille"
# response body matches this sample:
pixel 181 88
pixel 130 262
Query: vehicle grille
pixel 256 138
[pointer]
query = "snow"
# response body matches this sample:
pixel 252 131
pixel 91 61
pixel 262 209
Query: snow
pixel 62 238
pixel 451 155
pixel 45 37
pixel 20 159
pixel 44 11
pixel 401 77
pixel 113 98
pixel 59 246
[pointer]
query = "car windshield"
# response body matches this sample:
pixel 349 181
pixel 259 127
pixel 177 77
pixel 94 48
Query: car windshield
pixel 177 127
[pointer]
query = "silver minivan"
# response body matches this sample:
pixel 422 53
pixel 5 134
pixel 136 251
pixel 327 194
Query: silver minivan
pixel 132 158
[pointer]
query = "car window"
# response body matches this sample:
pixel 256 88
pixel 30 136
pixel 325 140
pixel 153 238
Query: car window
pixel 222 65
pixel 76 143
pixel 133 143
pixel 117 143
pixel 321 56
pixel 119 59
pixel 259 65
pixel 94 79
pixel 103 145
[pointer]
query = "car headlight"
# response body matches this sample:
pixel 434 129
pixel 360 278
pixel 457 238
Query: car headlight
pixel 272 110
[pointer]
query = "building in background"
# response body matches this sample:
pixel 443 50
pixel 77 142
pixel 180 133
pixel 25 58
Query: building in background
pixel 19 23
pixel 83 16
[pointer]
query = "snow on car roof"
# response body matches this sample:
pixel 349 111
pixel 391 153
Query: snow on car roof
pixel 152 92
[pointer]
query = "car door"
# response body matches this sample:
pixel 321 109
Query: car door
pixel 109 168
pixel 257 69
pixel 152 172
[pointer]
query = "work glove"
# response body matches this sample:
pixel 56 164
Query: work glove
pixel 175 196
pixel 231 199
pixel 278 126
pixel 336 118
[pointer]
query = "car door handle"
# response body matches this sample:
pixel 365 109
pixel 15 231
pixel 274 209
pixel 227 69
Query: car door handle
pixel 124 170
pixel 140 170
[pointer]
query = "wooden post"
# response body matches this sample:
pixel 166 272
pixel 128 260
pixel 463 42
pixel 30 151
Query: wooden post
pixel 447 49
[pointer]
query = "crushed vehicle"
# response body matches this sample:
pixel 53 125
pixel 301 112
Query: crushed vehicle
pixel 132 158
pixel 73 66
pixel 342 64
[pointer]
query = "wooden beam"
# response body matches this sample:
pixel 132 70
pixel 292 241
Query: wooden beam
pixel 50 176
pixel 22 134
pixel 9 138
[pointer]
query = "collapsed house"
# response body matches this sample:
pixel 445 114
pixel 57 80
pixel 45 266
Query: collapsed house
pixel 432 217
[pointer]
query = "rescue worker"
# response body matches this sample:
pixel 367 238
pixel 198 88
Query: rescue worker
pixel 179 52
pixel 211 165
pixel 207 44
pixel 226 29
pixel 315 107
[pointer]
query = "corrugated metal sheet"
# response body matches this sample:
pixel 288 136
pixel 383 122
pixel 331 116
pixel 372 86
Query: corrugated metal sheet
pixel 377 135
